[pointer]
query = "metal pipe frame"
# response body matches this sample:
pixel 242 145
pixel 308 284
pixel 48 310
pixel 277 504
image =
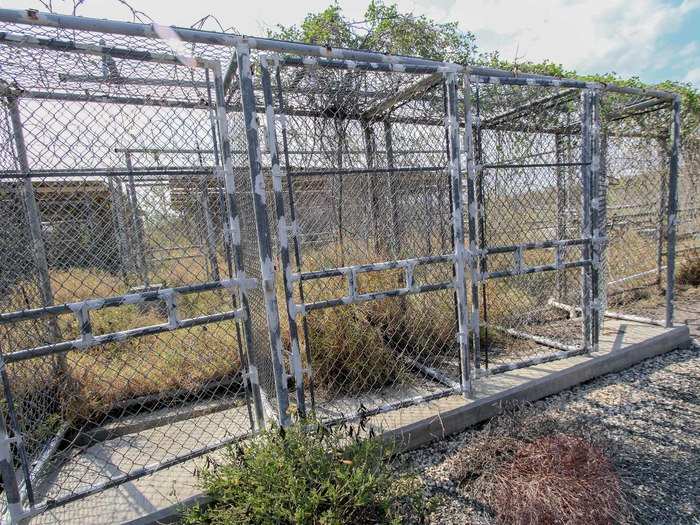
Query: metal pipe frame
pixel 474 263
pixel 349 56
pixel 533 361
pixel 586 155
pixel 244 283
pixel 266 64
pixel 219 123
pixel 257 184
pixel 406 264
pixel 672 211
pixel 460 255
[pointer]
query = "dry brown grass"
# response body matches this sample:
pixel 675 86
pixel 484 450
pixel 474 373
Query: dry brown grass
pixel 557 479
pixel 528 468
pixel 100 377
pixel 689 269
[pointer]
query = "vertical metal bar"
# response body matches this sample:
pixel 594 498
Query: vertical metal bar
pixel 38 246
pixel 472 216
pixel 296 239
pixel 672 210
pixel 370 149
pixel 263 231
pixel 7 472
pixel 481 222
pixel 595 235
pixel 388 144
pixel 561 212
pixel 586 120
pixel 17 433
pixel 210 237
pixel 458 231
pixel 661 216
pixel 243 352
pixel 234 234
pixel 282 235
pixel 41 261
pixel 339 161
pixel 137 224
pixel 118 221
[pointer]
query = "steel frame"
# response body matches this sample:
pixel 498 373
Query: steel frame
pixel 468 259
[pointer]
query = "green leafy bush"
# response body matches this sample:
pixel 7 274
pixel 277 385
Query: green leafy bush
pixel 307 474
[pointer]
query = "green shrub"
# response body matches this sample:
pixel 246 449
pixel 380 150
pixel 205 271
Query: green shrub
pixel 307 474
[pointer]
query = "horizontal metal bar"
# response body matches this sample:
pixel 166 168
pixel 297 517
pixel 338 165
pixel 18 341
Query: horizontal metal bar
pixel 118 337
pixel 163 150
pixel 573 310
pixel 135 474
pixel 532 361
pixel 636 275
pixel 528 81
pixel 372 267
pixel 534 165
pixel 428 371
pixel 544 341
pixel 336 171
pixel 533 269
pixel 295 61
pixel 305 308
pixel 132 81
pixel 120 300
pixel 70 46
pixel 491 250
pixel 390 407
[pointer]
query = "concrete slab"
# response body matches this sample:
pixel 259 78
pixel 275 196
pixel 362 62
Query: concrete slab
pixel 157 498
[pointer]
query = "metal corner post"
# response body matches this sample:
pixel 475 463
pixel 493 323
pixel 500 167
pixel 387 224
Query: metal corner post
pixel 672 210
pixel 263 232
pixel 283 235
pixel 587 101
pixel 472 216
pixel 460 257
pixel 595 226
pixel 234 235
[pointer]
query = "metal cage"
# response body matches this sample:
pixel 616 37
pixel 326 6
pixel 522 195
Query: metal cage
pixel 200 244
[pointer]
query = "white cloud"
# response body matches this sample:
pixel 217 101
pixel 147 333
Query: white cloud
pixel 589 35
pixel 693 76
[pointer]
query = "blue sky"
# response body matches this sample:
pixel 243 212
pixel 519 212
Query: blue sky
pixel 653 39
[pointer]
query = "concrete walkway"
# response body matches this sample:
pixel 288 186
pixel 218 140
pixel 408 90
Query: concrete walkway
pixel 623 343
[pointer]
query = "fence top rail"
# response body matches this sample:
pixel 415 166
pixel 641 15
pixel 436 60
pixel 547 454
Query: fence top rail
pixel 156 31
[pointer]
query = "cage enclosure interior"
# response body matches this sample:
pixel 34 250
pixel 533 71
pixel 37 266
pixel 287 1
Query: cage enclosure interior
pixel 197 245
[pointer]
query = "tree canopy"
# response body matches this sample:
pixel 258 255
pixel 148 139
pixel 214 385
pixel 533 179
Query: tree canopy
pixel 385 29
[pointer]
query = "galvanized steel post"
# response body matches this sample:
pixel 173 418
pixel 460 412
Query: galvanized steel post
pixel 587 249
pixel 595 228
pixel 234 235
pixel 460 257
pixel 472 217
pixel 263 232
pixel 672 210
pixel 283 234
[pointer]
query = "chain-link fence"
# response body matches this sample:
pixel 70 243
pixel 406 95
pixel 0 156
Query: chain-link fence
pixel 200 244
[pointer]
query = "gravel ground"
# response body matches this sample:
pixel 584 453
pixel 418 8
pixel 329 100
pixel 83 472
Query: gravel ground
pixel 650 415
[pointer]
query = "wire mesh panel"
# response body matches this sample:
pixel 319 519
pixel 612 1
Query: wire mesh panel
pixel 688 216
pixel 367 194
pixel 124 306
pixel 636 142
pixel 528 188
pixel 188 255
